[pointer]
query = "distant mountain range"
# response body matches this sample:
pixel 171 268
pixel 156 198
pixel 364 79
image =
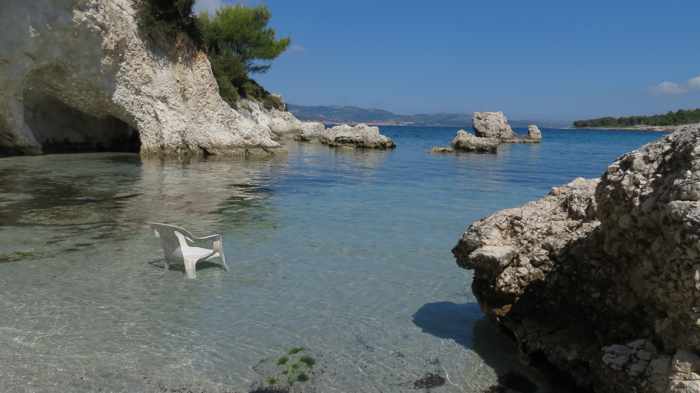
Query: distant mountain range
pixel 353 114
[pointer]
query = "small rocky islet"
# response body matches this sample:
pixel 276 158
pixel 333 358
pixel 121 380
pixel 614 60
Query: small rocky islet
pixel 491 129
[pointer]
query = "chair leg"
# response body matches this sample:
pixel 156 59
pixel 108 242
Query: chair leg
pixel 191 268
pixel 219 247
pixel 223 262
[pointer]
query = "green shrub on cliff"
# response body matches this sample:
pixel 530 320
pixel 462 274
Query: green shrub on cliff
pixel 239 43
pixel 237 39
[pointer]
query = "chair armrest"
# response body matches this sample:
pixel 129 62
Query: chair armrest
pixel 211 237
pixel 217 244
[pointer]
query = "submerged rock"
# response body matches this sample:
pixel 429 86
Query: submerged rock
pixel 534 133
pixel 429 381
pixel 492 125
pixel 465 141
pixel 601 279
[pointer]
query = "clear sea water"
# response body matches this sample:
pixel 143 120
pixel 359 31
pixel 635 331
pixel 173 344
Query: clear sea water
pixel 345 253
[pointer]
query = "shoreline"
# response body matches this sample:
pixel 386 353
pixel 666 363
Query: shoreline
pixel 648 129
pixel 639 128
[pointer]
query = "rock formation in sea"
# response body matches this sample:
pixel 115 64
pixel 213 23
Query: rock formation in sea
pixel 600 279
pixel 465 141
pixel 492 125
pixel 79 75
pixel 534 133
pixel 344 135
pixel 491 129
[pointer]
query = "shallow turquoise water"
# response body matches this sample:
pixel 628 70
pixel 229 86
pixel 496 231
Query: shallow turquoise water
pixel 345 253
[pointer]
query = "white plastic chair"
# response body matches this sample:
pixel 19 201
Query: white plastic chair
pixel 179 247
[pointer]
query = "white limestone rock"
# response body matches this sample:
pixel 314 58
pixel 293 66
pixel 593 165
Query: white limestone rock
pixel 602 278
pixel 311 131
pixel 361 135
pixel 685 373
pixel 467 142
pixel 80 73
pixel 534 133
pixel 492 125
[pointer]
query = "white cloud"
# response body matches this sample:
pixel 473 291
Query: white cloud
pixel 694 83
pixel 669 88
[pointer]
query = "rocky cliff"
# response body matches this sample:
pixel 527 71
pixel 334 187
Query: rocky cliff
pixel 77 75
pixel 601 278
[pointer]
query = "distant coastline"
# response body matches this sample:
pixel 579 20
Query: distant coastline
pixel 332 115
pixel 632 128
pixel 661 122
pixel 638 128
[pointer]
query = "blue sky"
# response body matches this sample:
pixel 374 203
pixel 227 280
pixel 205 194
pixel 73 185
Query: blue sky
pixel 556 60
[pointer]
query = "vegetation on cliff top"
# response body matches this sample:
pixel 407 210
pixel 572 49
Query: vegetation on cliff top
pixel 239 43
pixel 236 38
pixel 669 119
pixel 161 20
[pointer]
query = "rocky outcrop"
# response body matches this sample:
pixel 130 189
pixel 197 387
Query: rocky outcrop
pixel 601 279
pixel 78 75
pixel 491 130
pixel 344 135
pixel 467 142
pixel 360 135
pixel 282 124
pixel 442 150
pixel 311 131
pixel 492 125
pixel 534 133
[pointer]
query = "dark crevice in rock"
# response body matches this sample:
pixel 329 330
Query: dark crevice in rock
pixel 60 128
pixel 560 379
pixel 205 152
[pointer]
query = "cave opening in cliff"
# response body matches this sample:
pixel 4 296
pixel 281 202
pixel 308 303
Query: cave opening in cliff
pixel 61 128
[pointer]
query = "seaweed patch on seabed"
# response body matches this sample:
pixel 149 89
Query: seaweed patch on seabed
pixel 429 381
pixel 17 256
pixel 291 372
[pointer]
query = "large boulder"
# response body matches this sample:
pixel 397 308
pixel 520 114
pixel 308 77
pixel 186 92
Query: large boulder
pixel 282 124
pixel 311 131
pixel 492 125
pixel 534 133
pixel 467 142
pixel 361 135
pixel 601 279
pixel 80 75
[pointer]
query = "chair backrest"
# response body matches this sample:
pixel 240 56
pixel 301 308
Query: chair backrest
pixel 170 241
